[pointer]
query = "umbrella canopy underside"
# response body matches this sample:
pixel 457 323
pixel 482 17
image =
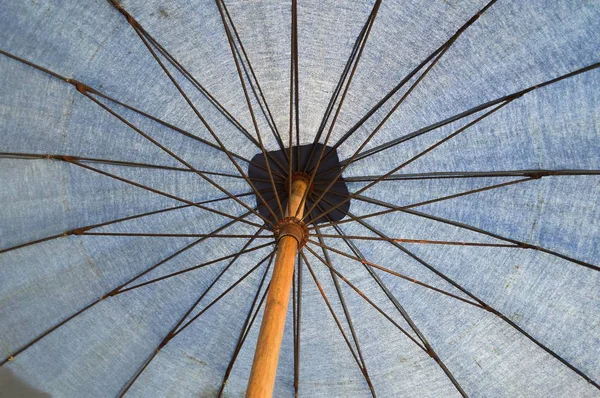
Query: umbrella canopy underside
pixel 499 225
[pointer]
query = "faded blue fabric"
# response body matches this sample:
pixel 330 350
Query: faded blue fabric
pixel 512 46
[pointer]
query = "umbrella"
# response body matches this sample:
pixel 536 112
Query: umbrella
pixel 311 198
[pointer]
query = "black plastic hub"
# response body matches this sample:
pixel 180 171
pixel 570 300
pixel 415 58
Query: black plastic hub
pixel 338 192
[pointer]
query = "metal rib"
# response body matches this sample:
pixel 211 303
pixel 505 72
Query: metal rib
pixel 258 95
pixel 413 326
pixel 374 132
pixel 340 295
pixel 486 306
pixel 337 321
pixel 359 42
pixel 471 111
pixel 113 292
pixel 98 93
pixel 173 332
pixel 252 115
pixel 189 269
pixel 404 164
pixel 407 78
pixel 248 322
pixel 521 244
pixel 361 294
pixel 135 27
pixel 533 173
pixel 159 192
pixel 313 173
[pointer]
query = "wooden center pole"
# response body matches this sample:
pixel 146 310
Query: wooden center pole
pixel 266 356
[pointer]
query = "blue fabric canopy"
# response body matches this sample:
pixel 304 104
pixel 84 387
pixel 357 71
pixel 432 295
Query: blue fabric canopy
pixel 468 133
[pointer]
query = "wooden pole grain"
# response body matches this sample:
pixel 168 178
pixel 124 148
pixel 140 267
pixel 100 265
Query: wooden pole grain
pixel 266 356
